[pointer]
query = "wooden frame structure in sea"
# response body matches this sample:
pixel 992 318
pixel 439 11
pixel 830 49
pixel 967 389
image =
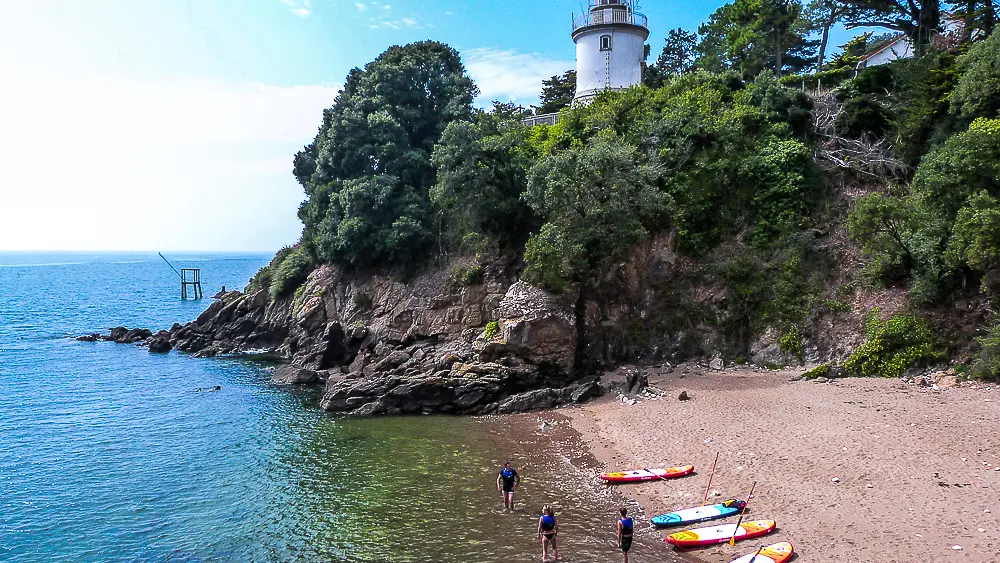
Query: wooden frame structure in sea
pixel 194 282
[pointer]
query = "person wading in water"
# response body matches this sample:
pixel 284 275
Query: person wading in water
pixel 625 525
pixel 507 482
pixel 547 531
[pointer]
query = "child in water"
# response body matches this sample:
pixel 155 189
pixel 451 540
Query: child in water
pixel 547 530
pixel 625 525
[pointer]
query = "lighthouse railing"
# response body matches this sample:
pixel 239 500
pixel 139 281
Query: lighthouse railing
pixel 611 16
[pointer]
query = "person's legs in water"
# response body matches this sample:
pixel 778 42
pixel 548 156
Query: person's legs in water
pixel 555 549
pixel 545 548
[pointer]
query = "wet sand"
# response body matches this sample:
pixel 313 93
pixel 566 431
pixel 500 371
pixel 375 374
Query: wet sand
pixel 558 468
pixel 854 470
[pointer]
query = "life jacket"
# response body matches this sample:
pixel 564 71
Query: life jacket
pixel 627 525
pixel 507 473
pixel 548 522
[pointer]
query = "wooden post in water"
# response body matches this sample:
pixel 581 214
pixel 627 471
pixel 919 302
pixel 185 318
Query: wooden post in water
pixel 188 276
pixel 192 277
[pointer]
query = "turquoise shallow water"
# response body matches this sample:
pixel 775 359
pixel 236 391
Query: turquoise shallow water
pixel 108 454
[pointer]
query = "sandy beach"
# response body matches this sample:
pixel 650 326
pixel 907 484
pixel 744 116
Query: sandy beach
pixel 852 470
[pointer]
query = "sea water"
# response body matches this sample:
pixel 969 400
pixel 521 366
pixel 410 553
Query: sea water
pixel 110 453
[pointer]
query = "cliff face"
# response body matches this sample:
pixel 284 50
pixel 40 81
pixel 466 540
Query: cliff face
pixel 381 346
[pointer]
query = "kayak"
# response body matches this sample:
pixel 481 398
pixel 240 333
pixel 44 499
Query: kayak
pixel 719 534
pixel 777 553
pixel 640 475
pixel 699 514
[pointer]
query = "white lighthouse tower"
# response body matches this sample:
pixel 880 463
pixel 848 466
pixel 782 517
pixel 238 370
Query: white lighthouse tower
pixel 610 47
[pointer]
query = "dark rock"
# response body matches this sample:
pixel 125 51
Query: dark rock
pixel 159 343
pixel 635 382
pixel 292 375
pixel 533 400
pixel 585 392
pixel 89 338
pixel 683 396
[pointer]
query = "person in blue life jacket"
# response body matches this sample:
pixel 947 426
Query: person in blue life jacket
pixel 507 482
pixel 625 527
pixel 548 529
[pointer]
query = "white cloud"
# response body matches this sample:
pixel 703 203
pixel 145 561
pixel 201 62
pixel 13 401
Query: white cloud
pixel 302 10
pixel 508 75
pixel 410 22
pixel 361 7
pixel 168 164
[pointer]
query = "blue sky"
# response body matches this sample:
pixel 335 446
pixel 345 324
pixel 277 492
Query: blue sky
pixel 171 124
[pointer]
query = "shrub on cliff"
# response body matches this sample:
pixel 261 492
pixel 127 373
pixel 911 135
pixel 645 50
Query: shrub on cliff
pixel 262 279
pixel 978 91
pixel 893 346
pixel 291 272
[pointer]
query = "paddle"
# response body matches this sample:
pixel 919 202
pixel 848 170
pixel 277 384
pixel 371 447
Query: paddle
pixel 705 501
pixel 732 540
pixel 754 558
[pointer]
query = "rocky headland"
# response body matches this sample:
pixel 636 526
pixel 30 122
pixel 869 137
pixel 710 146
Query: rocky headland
pixel 380 346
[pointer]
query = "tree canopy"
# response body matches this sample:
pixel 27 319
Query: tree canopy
pixel 368 172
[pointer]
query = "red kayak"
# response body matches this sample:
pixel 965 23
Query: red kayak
pixel 642 475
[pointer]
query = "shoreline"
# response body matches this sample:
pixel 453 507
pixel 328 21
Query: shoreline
pixel 916 468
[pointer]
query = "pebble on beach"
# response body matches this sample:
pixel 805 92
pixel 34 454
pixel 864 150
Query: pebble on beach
pixel 835 479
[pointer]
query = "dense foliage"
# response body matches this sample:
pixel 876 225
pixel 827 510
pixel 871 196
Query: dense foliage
pixel 368 173
pixel 716 151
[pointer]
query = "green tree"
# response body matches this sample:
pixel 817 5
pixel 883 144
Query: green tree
pixel 756 35
pixel 978 16
pixel 558 92
pixel 966 164
pixel 597 200
pixel 482 173
pixel 919 20
pixel 368 171
pixel 678 55
pixel 975 240
pixel 823 15
pixel 978 91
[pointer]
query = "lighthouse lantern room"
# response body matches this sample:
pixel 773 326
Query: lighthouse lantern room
pixel 610 47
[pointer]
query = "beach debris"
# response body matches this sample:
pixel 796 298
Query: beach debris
pixel 957 547
pixel 683 396
pixel 996 468
pixel 715 493
pixel 869 486
pixel 835 479
pixel 987 511
pixel 708 440
pixel 919 535
pixel 982 530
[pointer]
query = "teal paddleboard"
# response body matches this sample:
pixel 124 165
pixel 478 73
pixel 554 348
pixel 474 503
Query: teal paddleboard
pixel 699 514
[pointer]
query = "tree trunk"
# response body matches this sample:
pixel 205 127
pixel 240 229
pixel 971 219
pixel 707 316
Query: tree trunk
pixel 989 17
pixel 823 42
pixel 969 21
pixel 778 62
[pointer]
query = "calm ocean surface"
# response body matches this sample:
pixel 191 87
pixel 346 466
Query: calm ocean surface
pixel 108 454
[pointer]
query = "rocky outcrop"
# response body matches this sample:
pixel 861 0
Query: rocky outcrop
pixel 119 334
pixel 381 346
